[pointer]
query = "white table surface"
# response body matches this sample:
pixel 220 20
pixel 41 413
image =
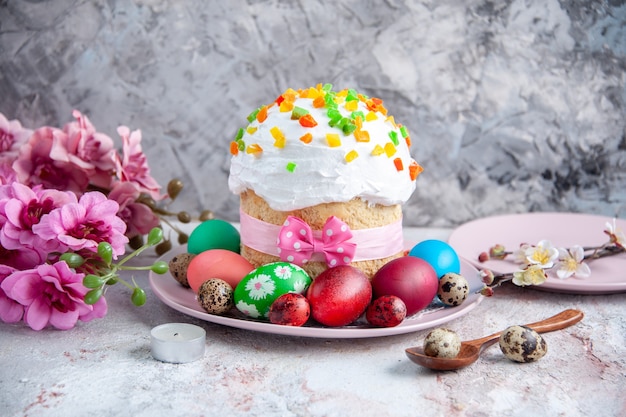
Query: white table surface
pixel 105 368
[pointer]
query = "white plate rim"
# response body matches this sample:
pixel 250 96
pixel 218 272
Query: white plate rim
pixel 164 285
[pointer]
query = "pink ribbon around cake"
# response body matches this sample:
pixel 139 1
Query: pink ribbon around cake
pixel 296 243
pixel 336 244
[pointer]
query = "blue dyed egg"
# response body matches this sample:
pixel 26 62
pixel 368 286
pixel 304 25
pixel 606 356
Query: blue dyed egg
pixel 439 255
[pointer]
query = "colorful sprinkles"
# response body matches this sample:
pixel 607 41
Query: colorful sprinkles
pixel 353 124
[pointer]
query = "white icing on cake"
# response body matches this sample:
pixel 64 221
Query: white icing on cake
pixel 303 174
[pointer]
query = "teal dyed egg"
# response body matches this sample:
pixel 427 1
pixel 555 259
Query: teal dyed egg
pixel 214 234
pixel 256 292
pixel 441 256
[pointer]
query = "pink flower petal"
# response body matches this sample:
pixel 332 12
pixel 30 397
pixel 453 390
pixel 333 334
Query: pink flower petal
pixel 37 314
pixel 10 310
pixel 63 320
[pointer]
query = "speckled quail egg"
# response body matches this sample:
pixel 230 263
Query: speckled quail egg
pixel 178 267
pixel 442 343
pixel 522 344
pixel 453 289
pixel 216 296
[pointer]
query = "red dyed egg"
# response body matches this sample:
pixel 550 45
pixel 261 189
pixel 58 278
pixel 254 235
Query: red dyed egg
pixel 411 279
pixel 339 295
pixel 290 309
pixel 386 311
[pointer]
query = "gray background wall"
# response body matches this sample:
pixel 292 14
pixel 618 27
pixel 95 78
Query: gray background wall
pixel 513 105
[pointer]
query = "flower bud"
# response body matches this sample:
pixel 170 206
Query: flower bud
pixel 206 215
pixel 93 296
pixel 72 259
pixel 497 252
pixel 159 267
pixel 184 217
pixel 147 200
pixel 487 276
pixel 138 297
pixel 163 247
pixel 486 292
pixel 155 236
pixel 136 242
pixel 92 281
pixel 105 251
pixel 174 187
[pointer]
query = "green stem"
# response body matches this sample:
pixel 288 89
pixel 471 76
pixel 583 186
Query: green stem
pixel 136 268
pixel 128 257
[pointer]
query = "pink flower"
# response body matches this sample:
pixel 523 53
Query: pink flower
pixel 12 137
pixel 7 175
pixel 10 310
pixel 84 224
pixel 23 207
pixel 133 166
pixel 20 259
pixel 52 295
pixel 138 217
pixel 91 151
pixel 35 166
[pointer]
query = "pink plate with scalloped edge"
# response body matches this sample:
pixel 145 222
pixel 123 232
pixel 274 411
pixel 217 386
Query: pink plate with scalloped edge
pixel 608 275
pixel 168 290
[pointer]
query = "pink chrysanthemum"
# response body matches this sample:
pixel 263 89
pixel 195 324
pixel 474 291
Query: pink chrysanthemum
pixel 83 225
pixel 12 137
pixel 52 295
pixel 91 151
pixel 34 165
pixel 139 218
pixel 10 310
pixel 7 175
pixel 22 208
pixel 133 165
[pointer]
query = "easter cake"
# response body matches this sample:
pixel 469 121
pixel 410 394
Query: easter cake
pixel 321 176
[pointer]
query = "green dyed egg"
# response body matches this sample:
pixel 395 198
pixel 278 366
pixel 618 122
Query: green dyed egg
pixel 256 292
pixel 214 234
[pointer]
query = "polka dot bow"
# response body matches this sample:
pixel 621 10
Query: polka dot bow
pixel 297 243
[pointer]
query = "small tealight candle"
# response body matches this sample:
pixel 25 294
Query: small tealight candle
pixel 177 342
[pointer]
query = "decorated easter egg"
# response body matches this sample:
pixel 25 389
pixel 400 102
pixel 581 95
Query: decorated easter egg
pixel 217 263
pixel 441 256
pixel 256 292
pixel 214 234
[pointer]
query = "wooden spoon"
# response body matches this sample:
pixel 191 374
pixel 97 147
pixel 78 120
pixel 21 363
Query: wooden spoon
pixel 470 350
